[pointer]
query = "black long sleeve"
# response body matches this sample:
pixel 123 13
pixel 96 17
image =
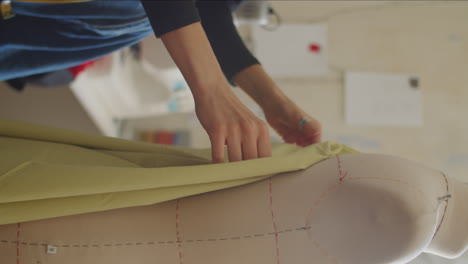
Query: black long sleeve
pixel 217 21
pixel 233 56
pixel 166 16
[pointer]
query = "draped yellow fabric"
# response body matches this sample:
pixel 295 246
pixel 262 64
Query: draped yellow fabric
pixel 49 172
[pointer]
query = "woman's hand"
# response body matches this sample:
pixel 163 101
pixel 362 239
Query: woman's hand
pixel 293 124
pixel 228 122
pixel 281 113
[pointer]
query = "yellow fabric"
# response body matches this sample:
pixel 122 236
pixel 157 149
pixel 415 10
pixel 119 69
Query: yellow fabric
pixel 50 172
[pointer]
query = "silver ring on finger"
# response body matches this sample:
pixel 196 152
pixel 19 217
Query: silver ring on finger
pixel 302 123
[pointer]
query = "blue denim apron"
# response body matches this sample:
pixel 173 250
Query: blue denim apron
pixel 48 37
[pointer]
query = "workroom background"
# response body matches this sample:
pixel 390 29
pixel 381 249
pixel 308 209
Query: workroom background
pixel 427 39
pixel 425 42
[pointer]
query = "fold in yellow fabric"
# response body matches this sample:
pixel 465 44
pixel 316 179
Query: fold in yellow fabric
pixel 50 172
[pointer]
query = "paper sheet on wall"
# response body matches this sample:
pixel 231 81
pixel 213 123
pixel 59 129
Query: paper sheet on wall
pixel 292 50
pixel 382 99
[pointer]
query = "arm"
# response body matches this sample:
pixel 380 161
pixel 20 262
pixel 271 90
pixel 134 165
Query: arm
pixel 220 112
pixel 243 69
pixel 281 112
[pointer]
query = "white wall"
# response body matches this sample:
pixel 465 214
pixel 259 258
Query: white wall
pixel 428 38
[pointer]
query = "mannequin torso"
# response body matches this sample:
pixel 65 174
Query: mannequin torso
pixel 356 208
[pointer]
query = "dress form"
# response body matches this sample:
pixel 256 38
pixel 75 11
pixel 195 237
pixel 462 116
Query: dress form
pixel 451 240
pixel 356 208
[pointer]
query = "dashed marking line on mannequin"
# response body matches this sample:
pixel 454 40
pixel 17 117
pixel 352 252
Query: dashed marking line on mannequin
pixel 274 221
pixel 342 176
pixel 324 194
pixel 321 198
pixel 178 232
pixel 254 236
pixel 18 231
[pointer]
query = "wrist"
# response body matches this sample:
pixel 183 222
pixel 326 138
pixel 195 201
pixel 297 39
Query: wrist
pixel 191 51
pixel 206 90
pixel 260 87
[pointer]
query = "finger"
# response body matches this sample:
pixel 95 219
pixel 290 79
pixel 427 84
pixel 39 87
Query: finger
pixel 317 138
pixel 304 142
pixel 234 148
pixel 290 139
pixel 264 143
pixel 312 134
pixel 249 147
pixel 218 141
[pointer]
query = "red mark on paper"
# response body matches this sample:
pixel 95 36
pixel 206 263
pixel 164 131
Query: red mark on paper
pixel 314 48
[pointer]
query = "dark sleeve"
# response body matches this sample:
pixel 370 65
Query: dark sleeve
pixel 169 15
pixel 233 56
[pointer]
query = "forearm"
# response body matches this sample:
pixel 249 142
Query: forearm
pixel 192 53
pixel 259 86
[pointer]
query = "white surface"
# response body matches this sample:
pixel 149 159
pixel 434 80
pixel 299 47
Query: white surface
pixel 382 99
pixel 139 84
pixel 87 92
pixel 119 87
pixel 285 51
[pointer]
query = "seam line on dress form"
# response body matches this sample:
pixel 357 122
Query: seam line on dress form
pixel 291 230
pixel 325 193
pixel 342 176
pixel 178 233
pixel 18 230
pixel 446 206
pixel 274 221
pixel 253 236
